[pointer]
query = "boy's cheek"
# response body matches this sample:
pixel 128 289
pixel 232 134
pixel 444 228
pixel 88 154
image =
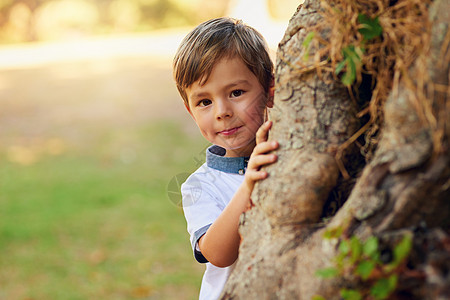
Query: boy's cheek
pixel 258 115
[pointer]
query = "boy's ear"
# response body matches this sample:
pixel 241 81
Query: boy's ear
pixel 271 94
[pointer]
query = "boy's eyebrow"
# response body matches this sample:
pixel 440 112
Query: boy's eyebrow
pixel 206 94
pixel 238 82
pixel 198 95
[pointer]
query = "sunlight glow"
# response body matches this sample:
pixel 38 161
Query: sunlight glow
pixel 161 44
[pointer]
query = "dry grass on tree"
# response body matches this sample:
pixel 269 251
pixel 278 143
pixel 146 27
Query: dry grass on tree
pixel 382 39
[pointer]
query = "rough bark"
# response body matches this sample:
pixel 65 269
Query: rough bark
pixel 405 187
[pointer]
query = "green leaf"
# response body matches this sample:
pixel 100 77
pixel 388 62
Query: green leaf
pixel 356 248
pixel 340 66
pixel 370 28
pixel 306 43
pixel 344 247
pixel 327 272
pixel 370 247
pixel 350 294
pixel 350 74
pixel 383 288
pixel 332 233
pixel 392 282
pixel 317 297
pixel 308 39
pixel 352 53
pixel 402 249
pixel 365 268
pixel 352 61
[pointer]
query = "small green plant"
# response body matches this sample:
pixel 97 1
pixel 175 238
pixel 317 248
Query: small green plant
pixel 332 233
pixel 362 259
pixel 352 62
pixel 369 28
pixel 350 294
pixel 307 43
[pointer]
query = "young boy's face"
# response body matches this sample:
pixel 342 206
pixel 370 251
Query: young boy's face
pixel 229 107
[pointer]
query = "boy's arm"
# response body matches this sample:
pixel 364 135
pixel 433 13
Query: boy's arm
pixel 220 244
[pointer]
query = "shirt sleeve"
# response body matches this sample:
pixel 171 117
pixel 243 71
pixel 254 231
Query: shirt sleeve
pixel 201 208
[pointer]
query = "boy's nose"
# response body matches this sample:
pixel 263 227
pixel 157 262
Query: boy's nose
pixel 223 110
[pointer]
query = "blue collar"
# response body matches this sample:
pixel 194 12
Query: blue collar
pixel 215 159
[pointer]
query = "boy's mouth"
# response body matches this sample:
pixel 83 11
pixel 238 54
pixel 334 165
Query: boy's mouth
pixel 229 131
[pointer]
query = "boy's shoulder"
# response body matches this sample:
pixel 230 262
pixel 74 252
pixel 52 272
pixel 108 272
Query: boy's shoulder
pixel 200 176
pixel 203 176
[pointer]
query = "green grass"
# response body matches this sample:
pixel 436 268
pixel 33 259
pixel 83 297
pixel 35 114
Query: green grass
pixel 96 223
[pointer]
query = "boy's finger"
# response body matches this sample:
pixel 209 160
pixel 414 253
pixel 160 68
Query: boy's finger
pixel 256 175
pixel 262 133
pixel 265 147
pixel 261 160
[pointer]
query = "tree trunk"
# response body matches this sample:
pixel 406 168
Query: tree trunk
pixel 402 191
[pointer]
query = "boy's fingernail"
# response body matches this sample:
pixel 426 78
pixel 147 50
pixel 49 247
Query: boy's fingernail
pixel 274 143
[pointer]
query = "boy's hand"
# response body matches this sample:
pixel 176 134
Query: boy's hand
pixel 220 244
pixel 260 156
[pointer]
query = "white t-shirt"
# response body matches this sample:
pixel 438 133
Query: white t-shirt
pixel 205 195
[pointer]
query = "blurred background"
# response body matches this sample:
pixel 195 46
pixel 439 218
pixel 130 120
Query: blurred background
pixel 95 141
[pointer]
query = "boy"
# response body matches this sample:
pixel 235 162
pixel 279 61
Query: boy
pixel 224 75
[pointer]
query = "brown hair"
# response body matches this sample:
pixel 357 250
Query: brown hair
pixel 213 40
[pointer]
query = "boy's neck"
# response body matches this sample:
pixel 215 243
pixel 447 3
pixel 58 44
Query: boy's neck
pixel 241 152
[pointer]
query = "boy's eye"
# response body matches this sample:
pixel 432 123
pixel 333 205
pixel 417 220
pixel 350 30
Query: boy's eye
pixel 237 93
pixel 204 102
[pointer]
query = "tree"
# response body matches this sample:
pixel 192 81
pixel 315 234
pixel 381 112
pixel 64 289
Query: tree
pixel 355 77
